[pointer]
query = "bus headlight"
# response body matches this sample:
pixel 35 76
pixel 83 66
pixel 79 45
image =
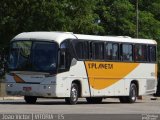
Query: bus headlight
pixel 45 87
pixel 9 85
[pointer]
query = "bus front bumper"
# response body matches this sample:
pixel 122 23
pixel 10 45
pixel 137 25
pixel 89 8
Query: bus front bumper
pixel 39 90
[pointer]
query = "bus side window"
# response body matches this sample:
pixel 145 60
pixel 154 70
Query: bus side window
pixel 152 53
pixel 98 50
pixel 64 56
pixel 111 51
pixel 62 59
pixel 127 54
pixel 115 55
pixel 108 51
pixel 140 52
pixel 81 49
pixel 86 49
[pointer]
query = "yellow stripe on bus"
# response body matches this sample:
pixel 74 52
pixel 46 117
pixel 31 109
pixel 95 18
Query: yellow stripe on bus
pixel 18 79
pixel 105 74
pixel 156 71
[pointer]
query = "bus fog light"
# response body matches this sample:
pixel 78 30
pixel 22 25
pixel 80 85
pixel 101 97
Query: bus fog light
pixel 49 87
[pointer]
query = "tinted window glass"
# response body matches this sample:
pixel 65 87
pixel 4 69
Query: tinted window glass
pixel 65 46
pixel 108 51
pixel 152 53
pixel 115 52
pixel 127 54
pixel 81 49
pixel 111 51
pixel 20 54
pixel 86 50
pixel 140 53
pixel 44 56
pixel 33 56
pixel 98 48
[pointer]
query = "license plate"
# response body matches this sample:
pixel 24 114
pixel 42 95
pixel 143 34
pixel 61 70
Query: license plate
pixel 27 88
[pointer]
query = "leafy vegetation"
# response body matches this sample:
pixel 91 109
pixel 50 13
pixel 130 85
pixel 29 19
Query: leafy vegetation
pixel 102 17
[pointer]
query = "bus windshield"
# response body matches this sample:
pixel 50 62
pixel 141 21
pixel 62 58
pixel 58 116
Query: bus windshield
pixel 33 56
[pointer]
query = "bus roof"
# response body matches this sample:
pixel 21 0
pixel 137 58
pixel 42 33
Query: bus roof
pixel 60 36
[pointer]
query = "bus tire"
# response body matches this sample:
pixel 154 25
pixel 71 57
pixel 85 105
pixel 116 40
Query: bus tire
pixel 94 100
pixel 132 95
pixel 73 99
pixel 30 99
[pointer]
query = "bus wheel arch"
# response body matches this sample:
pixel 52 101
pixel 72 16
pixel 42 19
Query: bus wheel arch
pixel 137 85
pixel 133 93
pixel 79 87
pixel 75 92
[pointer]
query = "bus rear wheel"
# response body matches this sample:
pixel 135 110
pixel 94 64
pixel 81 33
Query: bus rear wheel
pixel 30 99
pixel 73 99
pixel 94 100
pixel 132 95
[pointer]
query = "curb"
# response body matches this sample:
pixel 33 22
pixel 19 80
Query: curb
pixel 11 98
pixel 151 98
pixel 21 98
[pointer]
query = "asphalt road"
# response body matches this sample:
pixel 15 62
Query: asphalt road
pixel 108 106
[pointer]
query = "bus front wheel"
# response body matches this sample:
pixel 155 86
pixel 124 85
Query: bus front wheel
pixel 30 99
pixel 73 95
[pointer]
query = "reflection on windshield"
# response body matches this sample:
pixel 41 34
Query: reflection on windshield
pixel 33 56
pixel 44 57
pixel 19 54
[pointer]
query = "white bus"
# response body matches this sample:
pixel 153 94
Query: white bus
pixel 72 66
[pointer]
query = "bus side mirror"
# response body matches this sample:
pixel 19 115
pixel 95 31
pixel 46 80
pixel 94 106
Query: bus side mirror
pixel 62 59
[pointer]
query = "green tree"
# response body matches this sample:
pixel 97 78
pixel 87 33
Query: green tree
pixel 103 17
pixel 81 16
pixel 118 17
pixel 47 15
pixel 149 27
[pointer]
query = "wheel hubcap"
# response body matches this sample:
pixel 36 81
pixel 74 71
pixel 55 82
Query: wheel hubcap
pixel 74 94
pixel 133 94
